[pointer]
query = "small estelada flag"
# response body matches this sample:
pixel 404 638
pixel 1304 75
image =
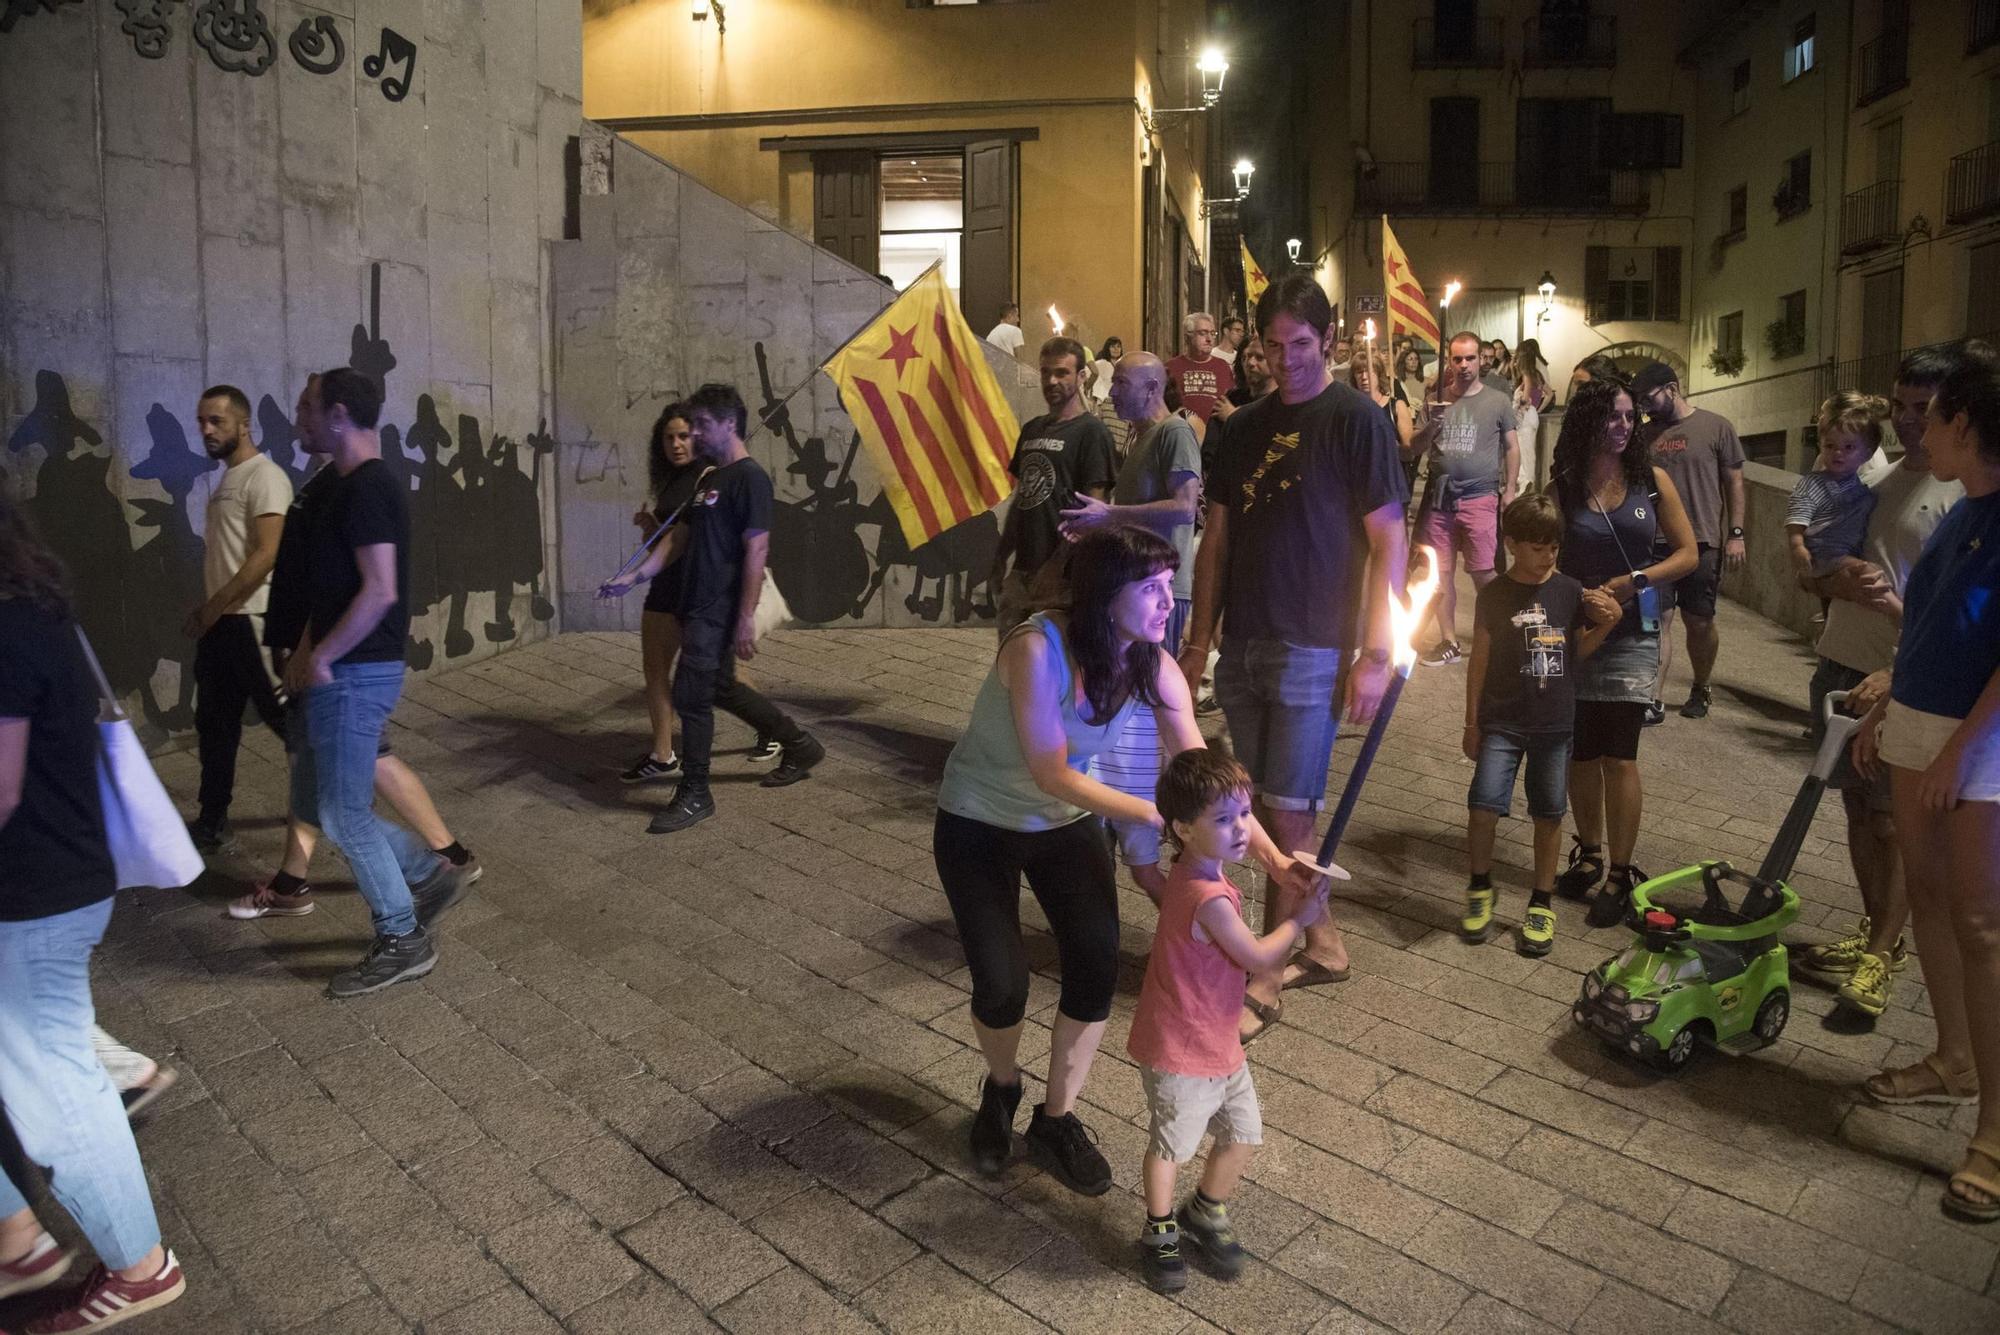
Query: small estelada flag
pixel 1255 280
pixel 1409 312
pixel 929 410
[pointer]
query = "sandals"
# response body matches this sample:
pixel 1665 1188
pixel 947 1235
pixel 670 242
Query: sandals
pixel 1926 1082
pixel 1267 1017
pixel 1980 1172
pixel 1311 973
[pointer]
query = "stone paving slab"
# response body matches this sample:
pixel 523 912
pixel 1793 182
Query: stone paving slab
pixel 721 1081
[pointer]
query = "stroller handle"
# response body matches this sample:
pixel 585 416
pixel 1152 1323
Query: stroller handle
pixel 1839 728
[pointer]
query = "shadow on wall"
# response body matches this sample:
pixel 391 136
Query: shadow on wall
pixel 475 525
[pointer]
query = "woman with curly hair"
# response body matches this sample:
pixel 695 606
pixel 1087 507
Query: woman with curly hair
pixel 1615 504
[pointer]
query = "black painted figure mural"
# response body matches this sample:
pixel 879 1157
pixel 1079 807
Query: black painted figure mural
pixel 823 567
pixel 165 578
pixel 511 514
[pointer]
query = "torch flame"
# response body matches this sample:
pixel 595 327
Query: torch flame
pixel 1055 318
pixel 1406 614
pixel 1369 328
pixel 1451 290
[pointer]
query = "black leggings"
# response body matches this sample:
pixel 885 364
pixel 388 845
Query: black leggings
pixel 1070 871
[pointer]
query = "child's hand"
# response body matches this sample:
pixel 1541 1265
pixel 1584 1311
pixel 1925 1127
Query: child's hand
pixel 1470 742
pixel 1601 607
pixel 1314 908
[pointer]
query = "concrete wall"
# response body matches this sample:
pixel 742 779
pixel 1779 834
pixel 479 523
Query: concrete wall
pixel 671 286
pixel 172 217
pixel 1765 584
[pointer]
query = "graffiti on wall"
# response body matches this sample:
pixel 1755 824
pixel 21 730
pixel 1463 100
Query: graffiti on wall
pixel 136 564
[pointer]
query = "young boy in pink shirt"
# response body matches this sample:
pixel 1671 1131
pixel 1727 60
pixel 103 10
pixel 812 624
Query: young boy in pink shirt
pixel 1184 1032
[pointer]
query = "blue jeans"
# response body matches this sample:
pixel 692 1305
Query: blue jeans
pixel 62 1105
pixel 333 787
pixel 1279 700
pixel 1500 756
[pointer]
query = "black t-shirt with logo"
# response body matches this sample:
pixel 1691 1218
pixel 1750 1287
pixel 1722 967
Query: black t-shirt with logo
pixel 732 501
pixel 365 508
pixel 1054 462
pixel 53 855
pixel 1298 480
pixel 1531 630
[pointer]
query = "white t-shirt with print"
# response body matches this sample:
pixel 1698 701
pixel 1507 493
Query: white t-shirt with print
pixel 1909 505
pixel 1007 337
pixel 254 487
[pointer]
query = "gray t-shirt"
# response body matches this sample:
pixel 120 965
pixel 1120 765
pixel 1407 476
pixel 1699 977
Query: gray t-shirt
pixel 1165 456
pixel 1471 443
pixel 1695 451
pixel 1909 505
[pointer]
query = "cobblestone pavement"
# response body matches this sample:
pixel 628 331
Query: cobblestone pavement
pixel 722 1079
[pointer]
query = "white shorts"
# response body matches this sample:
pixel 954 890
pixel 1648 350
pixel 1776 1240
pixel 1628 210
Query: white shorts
pixel 1186 1107
pixel 1911 739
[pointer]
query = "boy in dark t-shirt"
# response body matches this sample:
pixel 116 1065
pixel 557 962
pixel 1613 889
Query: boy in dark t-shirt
pixel 1531 628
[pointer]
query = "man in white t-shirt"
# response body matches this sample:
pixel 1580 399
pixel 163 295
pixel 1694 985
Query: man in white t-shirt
pixel 1007 334
pixel 246 516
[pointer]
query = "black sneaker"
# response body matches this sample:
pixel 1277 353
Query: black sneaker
pixel 211 834
pixel 1615 900
pixel 799 759
pixel 1209 1230
pixel 441 890
pixel 691 806
pixel 1069 1152
pixel 1585 870
pixel 993 1125
pixel 1166 1272
pixel 390 960
pixel 767 748
pixel 646 769
pixel 1698 701
pixel 1446 653
pixel 1656 713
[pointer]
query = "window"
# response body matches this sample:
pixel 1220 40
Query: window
pixel 1794 193
pixel 1631 283
pixel 1729 334
pixel 1739 213
pixel 1982 295
pixel 1739 88
pixel 1640 141
pixel 1787 335
pixel 922 211
pixel 1799 53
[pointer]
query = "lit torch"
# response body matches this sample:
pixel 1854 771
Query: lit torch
pixel 1405 615
pixel 1368 342
pixel 1055 319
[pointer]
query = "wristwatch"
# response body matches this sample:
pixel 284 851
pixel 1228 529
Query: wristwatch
pixel 1640 581
pixel 1735 533
pixel 1379 657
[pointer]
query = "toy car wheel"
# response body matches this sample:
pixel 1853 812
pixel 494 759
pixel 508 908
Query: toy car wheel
pixel 1679 1050
pixel 1771 1016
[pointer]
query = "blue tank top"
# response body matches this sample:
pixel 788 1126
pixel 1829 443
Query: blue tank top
pixel 986 779
pixel 1600 546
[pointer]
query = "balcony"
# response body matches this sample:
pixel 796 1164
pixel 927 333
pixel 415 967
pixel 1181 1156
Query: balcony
pixel 1972 185
pixel 1982 25
pixel 1883 67
pixel 1495 188
pixel 1457 44
pixel 1585 42
pixel 1869 218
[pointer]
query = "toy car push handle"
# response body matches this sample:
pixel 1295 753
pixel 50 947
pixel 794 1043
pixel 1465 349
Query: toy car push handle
pixel 1798 821
pixel 1708 875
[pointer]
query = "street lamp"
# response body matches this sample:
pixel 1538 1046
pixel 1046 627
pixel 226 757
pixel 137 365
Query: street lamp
pixel 1213 70
pixel 701 8
pixel 1243 170
pixel 1547 287
pixel 1292 248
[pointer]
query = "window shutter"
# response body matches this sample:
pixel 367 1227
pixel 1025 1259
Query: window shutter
pixel 1596 284
pixel 845 216
pixel 1666 282
pixel 986 280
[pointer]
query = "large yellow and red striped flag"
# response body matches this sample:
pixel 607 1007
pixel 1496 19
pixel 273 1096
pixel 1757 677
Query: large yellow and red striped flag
pixel 1409 312
pixel 1255 280
pixel 929 410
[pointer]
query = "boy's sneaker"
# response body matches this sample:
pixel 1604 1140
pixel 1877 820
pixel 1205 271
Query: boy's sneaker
pixel 1615 899
pixel 1446 653
pixel 767 748
pixel 1069 1152
pixel 1585 870
pixel 647 770
pixel 1477 924
pixel 44 1264
pixel 107 1300
pixel 1208 1228
pixel 1656 714
pixel 264 902
pixel 211 834
pixel 390 960
pixel 799 758
pixel 1867 988
pixel 1166 1272
pixel 1538 931
pixel 437 893
pixel 1698 701
pixel 993 1125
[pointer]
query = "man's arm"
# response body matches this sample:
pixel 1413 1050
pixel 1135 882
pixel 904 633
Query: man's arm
pixel 1510 466
pixel 1162 516
pixel 756 551
pixel 1205 618
pixel 377 564
pixel 1733 549
pixel 1388 566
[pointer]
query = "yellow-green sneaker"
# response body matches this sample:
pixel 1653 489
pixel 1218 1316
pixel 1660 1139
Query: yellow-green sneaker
pixel 1477 924
pixel 1867 988
pixel 1840 956
pixel 1538 931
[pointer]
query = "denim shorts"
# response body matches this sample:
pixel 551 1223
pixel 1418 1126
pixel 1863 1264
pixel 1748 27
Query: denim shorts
pixel 1827 678
pixel 1500 754
pixel 1279 700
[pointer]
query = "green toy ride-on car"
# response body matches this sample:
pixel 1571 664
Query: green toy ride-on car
pixel 1707 969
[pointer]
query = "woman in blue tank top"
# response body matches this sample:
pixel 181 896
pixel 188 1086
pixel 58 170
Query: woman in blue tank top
pixel 1615 504
pixel 1016 801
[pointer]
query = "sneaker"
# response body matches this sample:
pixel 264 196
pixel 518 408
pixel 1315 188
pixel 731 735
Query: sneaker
pixel 1840 958
pixel 1477 924
pixel 1586 869
pixel 1208 1228
pixel 107 1300
pixel 1612 902
pixel 799 759
pixel 469 866
pixel 1538 931
pixel 139 1097
pixel 1867 988
pixel 264 902
pixel 211 834
pixel 993 1125
pixel 44 1264
pixel 1656 713
pixel 767 748
pixel 691 806
pixel 439 892
pixel 1069 1152
pixel 1166 1272
pixel 390 960
pixel 647 770
pixel 1446 653
pixel 1698 701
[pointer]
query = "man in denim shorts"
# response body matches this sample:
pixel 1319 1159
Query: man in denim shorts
pixel 1304 536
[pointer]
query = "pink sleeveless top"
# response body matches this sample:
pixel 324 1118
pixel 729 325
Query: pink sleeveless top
pixel 1193 993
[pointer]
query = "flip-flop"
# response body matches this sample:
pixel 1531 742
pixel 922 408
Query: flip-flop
pixel 1267 1016
pixel 1312 974
pixel 1977 1173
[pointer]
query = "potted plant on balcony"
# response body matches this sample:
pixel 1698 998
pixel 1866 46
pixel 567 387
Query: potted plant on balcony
pixel 1726 361
pixel 1784 339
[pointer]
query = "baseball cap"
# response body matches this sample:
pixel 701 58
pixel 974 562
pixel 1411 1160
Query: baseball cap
pixel 1652 376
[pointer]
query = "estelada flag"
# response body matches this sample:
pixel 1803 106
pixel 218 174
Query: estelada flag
pixel 1255 280
pixel 1409 312
pixel 929 410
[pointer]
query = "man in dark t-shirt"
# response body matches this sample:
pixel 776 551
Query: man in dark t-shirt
pixel 347 671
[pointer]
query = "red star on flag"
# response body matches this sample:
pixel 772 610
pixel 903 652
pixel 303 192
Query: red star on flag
pixel 902 347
